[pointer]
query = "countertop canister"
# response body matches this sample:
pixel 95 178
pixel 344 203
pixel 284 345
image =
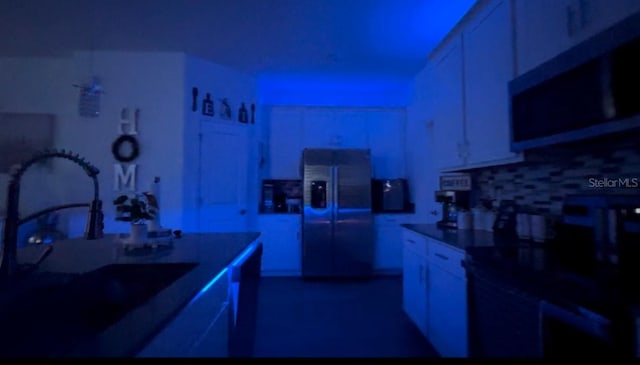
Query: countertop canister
pixel 465 220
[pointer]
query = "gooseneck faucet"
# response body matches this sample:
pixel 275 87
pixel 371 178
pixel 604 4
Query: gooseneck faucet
pixel 94 227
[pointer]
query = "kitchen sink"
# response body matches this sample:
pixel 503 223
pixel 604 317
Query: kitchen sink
pixel 51 312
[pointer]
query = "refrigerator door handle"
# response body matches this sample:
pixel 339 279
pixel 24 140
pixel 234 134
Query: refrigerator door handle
pixel 335 189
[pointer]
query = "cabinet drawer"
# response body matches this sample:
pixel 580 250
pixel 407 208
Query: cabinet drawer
pixel 395 219
pixel 414 242
pixel 446 257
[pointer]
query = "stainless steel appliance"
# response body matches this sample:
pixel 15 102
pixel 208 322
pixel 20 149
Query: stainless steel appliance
pixel 597 250
pixel 599 232
pixel 337 234
pixel 581 93
pixel 570 330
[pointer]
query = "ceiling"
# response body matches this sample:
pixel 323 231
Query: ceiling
pixel 383 38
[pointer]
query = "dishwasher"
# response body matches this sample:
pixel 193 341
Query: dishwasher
pixel 503 319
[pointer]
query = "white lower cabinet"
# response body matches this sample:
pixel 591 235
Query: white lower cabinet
pixel 435 293
pixel 388 242
pixel 414 284
pixel 447 301
pixel 282 252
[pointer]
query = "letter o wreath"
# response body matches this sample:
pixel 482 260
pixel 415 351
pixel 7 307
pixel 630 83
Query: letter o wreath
pixel 117 144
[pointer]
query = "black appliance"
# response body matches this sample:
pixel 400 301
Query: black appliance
pixel 575 331
pixel 503 318
pixel 277 195
pixel 389 195
pixel 580 94
pixel 599 232
pixel 597 248
pixel 452 201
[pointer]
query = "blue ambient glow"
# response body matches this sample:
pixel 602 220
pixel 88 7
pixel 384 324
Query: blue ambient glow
pixel 238 260
pixel 209 284
pixel 409 29
pixel 324 90
pixel 246 253
pixel 397 38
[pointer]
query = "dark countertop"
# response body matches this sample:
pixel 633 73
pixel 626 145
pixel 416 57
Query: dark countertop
pixel 213 252
pixel 535 268
pixel 460 239
pixel 375 213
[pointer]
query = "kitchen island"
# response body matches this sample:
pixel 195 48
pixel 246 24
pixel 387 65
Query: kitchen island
pixel 195 261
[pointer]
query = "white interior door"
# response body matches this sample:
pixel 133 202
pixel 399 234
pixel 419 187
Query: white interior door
pixel 223 178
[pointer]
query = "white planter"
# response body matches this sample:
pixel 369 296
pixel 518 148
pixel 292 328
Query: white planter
pixel 138 234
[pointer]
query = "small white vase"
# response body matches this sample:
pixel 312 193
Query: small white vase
pixel 138 233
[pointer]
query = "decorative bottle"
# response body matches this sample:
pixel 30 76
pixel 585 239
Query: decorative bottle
pixel 154 194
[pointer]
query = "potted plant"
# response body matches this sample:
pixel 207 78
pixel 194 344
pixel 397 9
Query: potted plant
pixel 136 208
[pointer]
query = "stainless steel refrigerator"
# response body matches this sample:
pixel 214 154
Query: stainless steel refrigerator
pixel 337 229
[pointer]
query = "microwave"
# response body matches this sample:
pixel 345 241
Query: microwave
pixel 389 195
pixel 583 93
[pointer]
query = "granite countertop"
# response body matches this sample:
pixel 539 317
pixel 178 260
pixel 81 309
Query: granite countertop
pixel 374 213
pixel 460 239
pixel 212 252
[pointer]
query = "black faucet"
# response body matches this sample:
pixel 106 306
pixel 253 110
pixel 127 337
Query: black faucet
pixel 94 227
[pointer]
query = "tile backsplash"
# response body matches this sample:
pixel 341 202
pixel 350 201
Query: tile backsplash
pixel 541 182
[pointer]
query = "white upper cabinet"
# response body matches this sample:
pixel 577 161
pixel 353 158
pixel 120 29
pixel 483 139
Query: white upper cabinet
pixel 334 128
pixel 541 31
pixel 284 143
pixel 448 110
pixel 291 129
pixel 545 28
pixel 351 128
pixel 320 129
pixel 488 67
pixel 471 72
pixel 386 135
pixel 598 15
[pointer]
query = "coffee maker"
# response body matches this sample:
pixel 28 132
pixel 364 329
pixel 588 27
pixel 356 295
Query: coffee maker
pixel 452 202
pixel 454 196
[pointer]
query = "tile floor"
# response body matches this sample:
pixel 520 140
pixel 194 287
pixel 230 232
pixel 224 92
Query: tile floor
pixel 298 318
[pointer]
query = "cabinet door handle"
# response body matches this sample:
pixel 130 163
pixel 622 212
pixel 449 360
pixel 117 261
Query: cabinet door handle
pixel 421 273
pixel 441 256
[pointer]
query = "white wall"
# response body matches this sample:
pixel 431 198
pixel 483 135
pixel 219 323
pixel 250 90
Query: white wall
pixel 220 82
pixel 419 149
pixel 148 81
pixel 39 85
pixel 342 91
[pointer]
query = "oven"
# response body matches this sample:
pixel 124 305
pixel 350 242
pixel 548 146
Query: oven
pixel 596 255
pixel 572 330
